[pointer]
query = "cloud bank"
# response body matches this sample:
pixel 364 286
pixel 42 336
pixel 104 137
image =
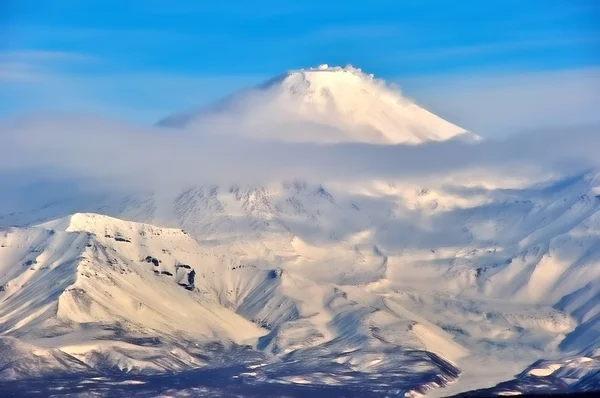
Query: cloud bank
pixel 108 152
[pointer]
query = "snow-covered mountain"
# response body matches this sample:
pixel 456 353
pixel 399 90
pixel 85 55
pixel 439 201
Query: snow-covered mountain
pixel 323 104
pixel 433 283
pixel 90 294
pixel 298 269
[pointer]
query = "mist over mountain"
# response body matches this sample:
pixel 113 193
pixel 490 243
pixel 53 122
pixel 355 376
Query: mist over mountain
pixel 320 231
pixel 323 104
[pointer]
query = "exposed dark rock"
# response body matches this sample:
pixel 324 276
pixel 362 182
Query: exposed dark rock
pixel 150 259
pixel 166 273
pixel 122 239
pixel 191 278
pixel 323 193
pixel 275 273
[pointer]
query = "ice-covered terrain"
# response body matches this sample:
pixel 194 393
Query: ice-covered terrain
pixel 422 283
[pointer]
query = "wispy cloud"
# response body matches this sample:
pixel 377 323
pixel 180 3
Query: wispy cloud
pixel 83 34
pixel 45 56
pixel 143 97
pixel 18 72
pixel 259 9
pixel 501 47
pixel 22 66
pixel 362 32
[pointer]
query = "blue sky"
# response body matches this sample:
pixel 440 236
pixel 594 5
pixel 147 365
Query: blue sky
pixel 141 59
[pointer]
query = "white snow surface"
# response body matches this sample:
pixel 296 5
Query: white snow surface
pixel 323 104
pixel 98 289
pixel 418 284
pixel 362 276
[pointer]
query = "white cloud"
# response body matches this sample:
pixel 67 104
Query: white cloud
pixel 111 152
pixel 33 66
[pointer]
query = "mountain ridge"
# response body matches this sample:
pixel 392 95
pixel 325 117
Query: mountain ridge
pixel 298 242
pixel 405 283
pixel 128 304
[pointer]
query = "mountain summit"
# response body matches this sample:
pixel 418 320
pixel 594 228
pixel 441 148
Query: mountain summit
pixel 324 104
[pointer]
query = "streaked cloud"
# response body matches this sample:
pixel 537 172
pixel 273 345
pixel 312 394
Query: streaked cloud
pixel 361 32
pixel 45 56
pixel 12 72
pixel 502 46
pixel 23 66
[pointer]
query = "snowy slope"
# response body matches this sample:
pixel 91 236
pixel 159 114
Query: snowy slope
pixel 569 375
pixel 19 360
pixel 421 283
pixel 111 295
pixel 335 273
pixel 360 277
pixel 324 104
pixel 76 283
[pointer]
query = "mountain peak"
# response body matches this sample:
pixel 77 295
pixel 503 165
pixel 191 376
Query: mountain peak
pixel 322 77
pixel 321 104
pixel 325 70
pixel 102 225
